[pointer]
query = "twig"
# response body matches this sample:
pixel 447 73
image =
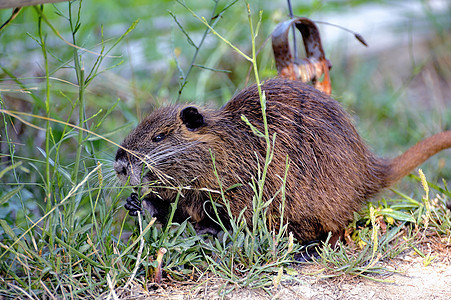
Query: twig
pixel 293 28
pixel 140 251
pixel 159 269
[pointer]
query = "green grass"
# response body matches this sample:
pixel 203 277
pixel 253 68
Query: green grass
pixel 63 231
pixel 385 229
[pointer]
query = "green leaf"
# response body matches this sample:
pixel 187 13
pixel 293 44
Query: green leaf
pixel 291 272
pixel 253 128
pixel 9 168
pixel 397 215
pixel 10 194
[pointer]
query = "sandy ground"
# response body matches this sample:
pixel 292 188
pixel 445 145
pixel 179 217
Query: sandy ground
pixel 413 280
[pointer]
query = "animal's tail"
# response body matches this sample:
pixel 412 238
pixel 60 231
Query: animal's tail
pixel 416 155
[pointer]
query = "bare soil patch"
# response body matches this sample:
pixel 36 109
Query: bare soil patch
pixel 410 279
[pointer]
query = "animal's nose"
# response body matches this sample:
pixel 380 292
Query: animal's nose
pixel 120 167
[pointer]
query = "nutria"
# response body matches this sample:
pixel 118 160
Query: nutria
pixel 331 171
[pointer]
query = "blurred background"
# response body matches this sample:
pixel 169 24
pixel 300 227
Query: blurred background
pixel 398 89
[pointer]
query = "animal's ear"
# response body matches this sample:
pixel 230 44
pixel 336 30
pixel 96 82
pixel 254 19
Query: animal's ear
pixel 192 118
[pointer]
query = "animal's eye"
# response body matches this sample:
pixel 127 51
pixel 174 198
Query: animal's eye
pixel 158 137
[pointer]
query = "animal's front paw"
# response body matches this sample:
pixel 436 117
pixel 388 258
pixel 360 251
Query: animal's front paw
pixel 133 205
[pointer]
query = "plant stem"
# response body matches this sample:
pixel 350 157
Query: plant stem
pixel 268 156
pixel 204 21
pixel 211 24
pixel 48 185
pixel 80 80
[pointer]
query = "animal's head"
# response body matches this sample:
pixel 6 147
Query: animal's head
pixel 171 146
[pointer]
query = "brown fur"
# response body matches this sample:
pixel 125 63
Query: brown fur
pixel 331 171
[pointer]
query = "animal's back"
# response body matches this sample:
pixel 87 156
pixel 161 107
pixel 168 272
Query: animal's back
pixel 330 171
